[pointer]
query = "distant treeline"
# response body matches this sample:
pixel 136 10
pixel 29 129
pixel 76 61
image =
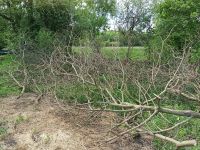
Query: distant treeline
pixel 165 27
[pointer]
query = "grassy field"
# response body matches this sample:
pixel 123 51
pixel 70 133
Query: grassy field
pixel 137 53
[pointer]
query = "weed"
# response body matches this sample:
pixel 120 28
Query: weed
pixel 20 119
pixel 3 129
pixel 7 85
pixel 45 138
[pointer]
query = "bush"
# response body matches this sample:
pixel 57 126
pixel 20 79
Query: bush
pixel 44 41
pixel 195 56
pixel 178 23
pixel 165 50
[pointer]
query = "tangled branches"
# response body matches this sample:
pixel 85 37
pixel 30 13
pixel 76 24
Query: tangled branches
pixel 138 91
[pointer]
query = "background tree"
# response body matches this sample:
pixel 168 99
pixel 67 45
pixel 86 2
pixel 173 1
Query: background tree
pixel 134 17
pixel 66 20
pixel 179 22
pixel 93 18
pixel 3 28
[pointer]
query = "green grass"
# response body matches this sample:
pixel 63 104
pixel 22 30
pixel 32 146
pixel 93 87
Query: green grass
pixel 3 133
pixel 20 119
pixel 137 53
pixel 7 85
pixel 189 130
pixel 3 129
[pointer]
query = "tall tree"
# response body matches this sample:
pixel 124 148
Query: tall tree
pixel 93 18
pixel 134 16
pixel 180 20
pixel 70 18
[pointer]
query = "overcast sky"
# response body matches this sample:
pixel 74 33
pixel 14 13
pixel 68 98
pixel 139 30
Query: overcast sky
pixel 112 21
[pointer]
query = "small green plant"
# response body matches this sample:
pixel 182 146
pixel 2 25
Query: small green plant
pixel 1 147
pixel 3 130
pixel 20 119
pixel 46 138
pixel 72 93
pixel 7 85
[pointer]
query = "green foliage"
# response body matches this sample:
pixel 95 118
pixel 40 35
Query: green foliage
pixel 45 40
pixel 177 23
pixel 156 49
pixel 110 38
pixel 137 53
pixel 3 129
pixel 20 119
pixel 72 93
pixel 137 39
pixel 7 85
pixel 55 16
pixel 3 27
pixel 3 132
pixel 195 54
pixel 95 14
pixel 191 129
pixel 134 21
pixel 65 21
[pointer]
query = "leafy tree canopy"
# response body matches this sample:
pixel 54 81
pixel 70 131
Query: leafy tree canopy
pixel 181 20
pixel 58 16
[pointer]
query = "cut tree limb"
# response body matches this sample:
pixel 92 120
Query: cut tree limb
pixel 178 144
pixel 186 113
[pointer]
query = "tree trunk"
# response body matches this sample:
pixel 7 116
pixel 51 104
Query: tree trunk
pixel 129 48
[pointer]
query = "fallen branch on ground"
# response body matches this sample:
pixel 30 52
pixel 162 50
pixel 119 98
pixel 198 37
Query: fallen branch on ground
pixel 178 144
pixel 186 113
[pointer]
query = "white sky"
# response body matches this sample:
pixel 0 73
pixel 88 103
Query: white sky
pixel 112 24
pixel 112 21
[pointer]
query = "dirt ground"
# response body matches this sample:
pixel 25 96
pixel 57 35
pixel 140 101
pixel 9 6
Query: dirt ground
pixel 48 127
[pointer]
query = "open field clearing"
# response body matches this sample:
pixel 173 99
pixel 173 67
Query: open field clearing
pixel 137 53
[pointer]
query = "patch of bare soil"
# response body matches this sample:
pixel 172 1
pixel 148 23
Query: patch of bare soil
pixel 48 127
